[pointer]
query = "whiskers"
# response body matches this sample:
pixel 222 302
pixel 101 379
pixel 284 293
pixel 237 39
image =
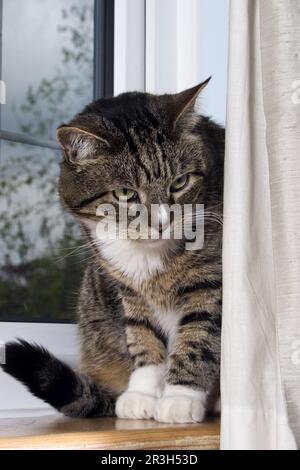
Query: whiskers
pixel 194 218
pixel 80 251
pixel 211 216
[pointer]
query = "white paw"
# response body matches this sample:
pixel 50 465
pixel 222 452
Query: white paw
pixel 179 410
pixel 135 405
pixel 180 405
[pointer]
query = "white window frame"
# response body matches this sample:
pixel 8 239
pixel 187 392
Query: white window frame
pixel 172 40
pixel 129 48
pixel 155 50
pixel 156 45
pixel 186 42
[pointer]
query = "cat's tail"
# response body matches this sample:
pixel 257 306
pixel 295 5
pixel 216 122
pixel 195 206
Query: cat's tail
pixel 55 382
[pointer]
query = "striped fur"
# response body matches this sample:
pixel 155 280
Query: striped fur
pixel 142 309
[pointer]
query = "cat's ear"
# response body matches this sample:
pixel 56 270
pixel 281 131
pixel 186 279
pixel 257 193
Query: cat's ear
pixel 80 145
pixel 185 101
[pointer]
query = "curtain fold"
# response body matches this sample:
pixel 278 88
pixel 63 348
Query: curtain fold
pixel 260 379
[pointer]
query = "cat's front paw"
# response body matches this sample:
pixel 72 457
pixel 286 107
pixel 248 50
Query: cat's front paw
pixel 179 410
pixel 135 405
pixel 180 405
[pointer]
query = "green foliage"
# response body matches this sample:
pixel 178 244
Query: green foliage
pixel 44 289
pixel 38 277
pixel 58 98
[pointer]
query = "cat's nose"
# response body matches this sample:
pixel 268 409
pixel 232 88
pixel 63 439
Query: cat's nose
pixel 159 220
pixel 163 218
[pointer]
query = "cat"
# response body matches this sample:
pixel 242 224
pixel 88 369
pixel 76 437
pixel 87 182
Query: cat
pixel 149 310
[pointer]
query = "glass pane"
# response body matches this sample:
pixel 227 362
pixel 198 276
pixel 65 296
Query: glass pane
pixel 41 261
pixel 47 63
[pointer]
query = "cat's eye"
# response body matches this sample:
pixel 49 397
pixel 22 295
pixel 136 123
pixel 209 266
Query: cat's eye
pixel 180 183
pixel 125 194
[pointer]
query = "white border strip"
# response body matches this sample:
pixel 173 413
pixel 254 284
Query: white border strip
pixel 129 52
pixel 172 45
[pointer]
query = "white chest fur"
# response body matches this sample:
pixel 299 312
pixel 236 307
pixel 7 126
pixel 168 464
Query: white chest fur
pixel 136 260
pixel 132 260
pixel 139 263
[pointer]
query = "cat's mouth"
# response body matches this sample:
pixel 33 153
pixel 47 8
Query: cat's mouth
pixel 150 238
pixel 155 238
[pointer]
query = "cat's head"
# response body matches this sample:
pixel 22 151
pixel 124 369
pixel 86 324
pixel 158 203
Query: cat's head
pixel 137 149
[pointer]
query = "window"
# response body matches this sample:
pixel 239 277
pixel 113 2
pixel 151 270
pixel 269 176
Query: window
pixel 56 56
pixel 186 42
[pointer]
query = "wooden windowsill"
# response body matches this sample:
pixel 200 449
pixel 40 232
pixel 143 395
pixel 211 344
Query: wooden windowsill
pixel 55 432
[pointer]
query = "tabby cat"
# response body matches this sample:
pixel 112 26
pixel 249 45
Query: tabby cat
pixel 149 310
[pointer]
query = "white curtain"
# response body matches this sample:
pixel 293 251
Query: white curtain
pixel 260 380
